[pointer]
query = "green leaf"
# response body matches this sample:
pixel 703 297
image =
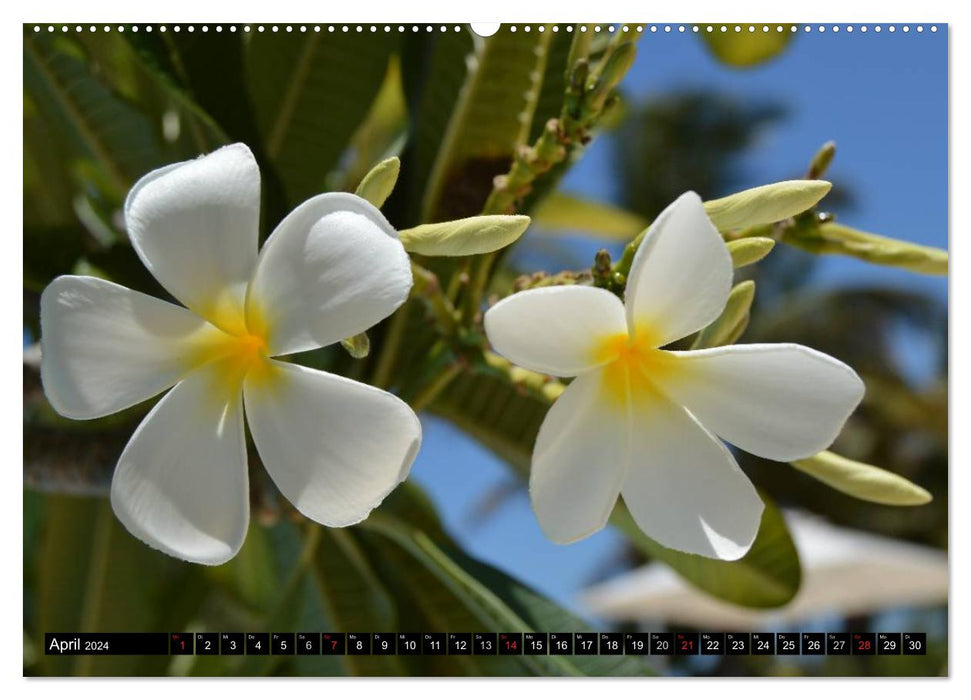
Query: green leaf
pixel 768 576
pixel 745 49
pixel 378 184
pixel 252 577
pixel 566 212
pixel 460 593
pixel 315 618
pixel 471 236
pixel 505 417
pixel 433 71
pixel 99 124
pixel 270 578
pixel 489 92
pixel 128 63
pixel 49 252
pixel 747 251
pixel 207 70
pixel 411 503
pixel 95 577
pixel 496 412
pixel 49 188
pixel 863 481
pixel 382 133
pixel 310 91
pixel 765 204
pixel 355 597
pixel 732 322
pixel 399 570
pixel 831 238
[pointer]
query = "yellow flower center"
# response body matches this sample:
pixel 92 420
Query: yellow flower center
pixel 631 363
pixel 236 348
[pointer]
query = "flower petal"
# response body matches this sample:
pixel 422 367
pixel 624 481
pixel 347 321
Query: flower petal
pixel 779 401
pixel 579 461
pixel 681 274
pixel 105 347
pixel 684 488
pixel 555 330
pixel 195 225
pixel 181 485
pixel 333 268
pixel 334 447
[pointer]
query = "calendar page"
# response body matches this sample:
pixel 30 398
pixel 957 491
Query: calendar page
pixel 494 350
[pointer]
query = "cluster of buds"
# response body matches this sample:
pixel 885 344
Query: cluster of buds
pixel 544 279
pixel 589 95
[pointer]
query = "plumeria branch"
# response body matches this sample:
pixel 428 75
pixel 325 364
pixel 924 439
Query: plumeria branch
pixel 752 221
pixel 590 94
pixel 429 290
pixel 821 235
pixel 436 385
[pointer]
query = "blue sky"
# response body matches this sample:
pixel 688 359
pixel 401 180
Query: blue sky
pixel 881 97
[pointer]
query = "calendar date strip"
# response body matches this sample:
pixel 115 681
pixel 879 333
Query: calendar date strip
pixel 486 643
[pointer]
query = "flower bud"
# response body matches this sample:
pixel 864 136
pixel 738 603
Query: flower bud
pixel 766 204
pixel 862 481
pixel 471 236
pixel 746 251
pixel 728 327
pixel 357 346
pixel 377 185
pixel 821 161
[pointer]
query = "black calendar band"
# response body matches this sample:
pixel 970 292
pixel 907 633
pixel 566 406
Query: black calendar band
pixel 106 643
pixel 487 643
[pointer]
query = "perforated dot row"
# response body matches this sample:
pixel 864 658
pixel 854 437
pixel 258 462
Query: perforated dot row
pixel 415 28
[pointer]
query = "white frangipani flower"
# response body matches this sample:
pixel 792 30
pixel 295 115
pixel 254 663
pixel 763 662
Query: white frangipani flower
pixel 641 421
pixel 331 269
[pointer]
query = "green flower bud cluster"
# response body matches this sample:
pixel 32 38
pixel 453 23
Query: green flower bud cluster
pixel 590 94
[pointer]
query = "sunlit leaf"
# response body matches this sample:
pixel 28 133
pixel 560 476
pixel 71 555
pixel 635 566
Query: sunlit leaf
pixel 760 205
pixel 564 212
pixel 383 131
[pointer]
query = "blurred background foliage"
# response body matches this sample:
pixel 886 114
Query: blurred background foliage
pixel 482 125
